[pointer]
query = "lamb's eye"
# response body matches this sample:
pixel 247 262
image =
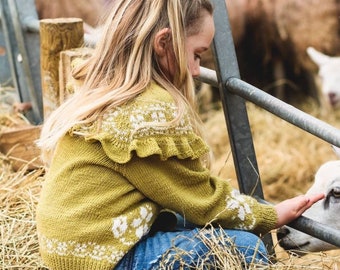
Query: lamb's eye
pixel 336 192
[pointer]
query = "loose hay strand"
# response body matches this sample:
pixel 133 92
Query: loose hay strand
pixel 224 255
pixel 18 198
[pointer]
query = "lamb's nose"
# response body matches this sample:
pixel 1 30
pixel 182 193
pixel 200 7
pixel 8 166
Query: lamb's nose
pixel 282 232
pixel 332 98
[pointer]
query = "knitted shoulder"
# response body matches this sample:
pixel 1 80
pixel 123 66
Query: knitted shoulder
pixel 145 127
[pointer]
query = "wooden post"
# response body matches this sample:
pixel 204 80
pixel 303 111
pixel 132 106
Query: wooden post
pixel 56 35
pixel 68 60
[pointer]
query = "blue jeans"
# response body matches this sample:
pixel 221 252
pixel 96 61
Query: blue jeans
pixel 189 247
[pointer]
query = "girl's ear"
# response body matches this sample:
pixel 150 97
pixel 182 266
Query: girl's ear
pixel 161 41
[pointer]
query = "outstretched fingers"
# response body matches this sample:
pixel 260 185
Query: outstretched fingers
pixel 291 209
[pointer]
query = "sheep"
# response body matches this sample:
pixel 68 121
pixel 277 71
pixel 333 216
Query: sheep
pixel 90 11
pixel 278 33
pixel 328 76
pixel 271 38
pixel 326 211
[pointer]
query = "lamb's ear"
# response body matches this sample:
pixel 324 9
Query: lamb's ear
pixel 318 57
pixel 336 150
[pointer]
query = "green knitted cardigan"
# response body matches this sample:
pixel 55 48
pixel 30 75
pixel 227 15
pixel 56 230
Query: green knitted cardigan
pixel 102 194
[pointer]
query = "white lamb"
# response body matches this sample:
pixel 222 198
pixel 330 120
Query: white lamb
pixel 326 211
pixel 329 75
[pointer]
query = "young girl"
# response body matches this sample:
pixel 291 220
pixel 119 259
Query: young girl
pixel 128 145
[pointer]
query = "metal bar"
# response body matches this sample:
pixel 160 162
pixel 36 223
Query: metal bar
pixel 277 107
pixel 314 228
pixel 285 111
pixel 31 24
pixel 235 110
pixel 10 43
pixel 317 229
pixel 298 118
pixel 24 62
pixel 208 76
pixel 234 106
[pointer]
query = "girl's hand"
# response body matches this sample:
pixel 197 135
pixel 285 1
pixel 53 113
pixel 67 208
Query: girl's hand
pixel 291 209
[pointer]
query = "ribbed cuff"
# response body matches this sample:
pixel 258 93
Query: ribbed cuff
pixel 267 219
pixel 55 262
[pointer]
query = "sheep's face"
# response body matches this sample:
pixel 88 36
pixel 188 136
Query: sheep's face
pixel 330 82
pixel 326 211
pixel 329 76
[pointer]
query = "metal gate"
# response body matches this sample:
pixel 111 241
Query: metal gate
pixel 233 93
pixel 20 62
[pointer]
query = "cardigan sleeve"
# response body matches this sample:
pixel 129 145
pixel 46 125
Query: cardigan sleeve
pixel 186 187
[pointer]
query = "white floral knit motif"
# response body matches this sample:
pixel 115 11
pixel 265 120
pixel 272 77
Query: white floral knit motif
pixel 242 210
pixel 140 226
pixel 82 250
pixel 122 229
pixel 143 120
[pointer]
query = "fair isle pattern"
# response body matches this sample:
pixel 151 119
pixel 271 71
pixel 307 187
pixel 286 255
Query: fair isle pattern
pixel 139 225
pixel 122 229
pixel 138 120
pixel 81 250
pixel 242 209
pixel 148 119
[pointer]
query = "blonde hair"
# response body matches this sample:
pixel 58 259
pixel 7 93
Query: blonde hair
pixel 123 64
